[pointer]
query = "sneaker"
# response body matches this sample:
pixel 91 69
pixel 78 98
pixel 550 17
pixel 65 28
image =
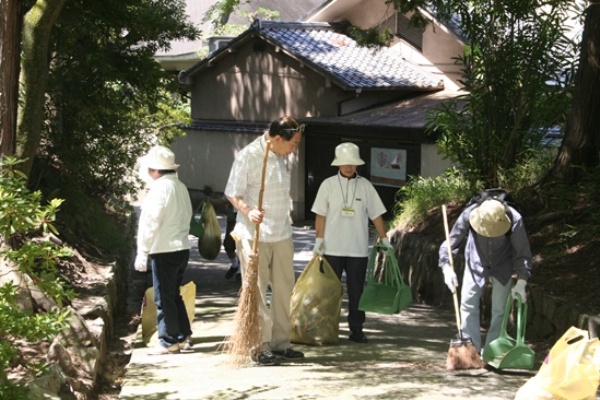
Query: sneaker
pixel 264 357
pixel 160 350
pixel 187 343
pixel 358 336
pixel 289 354
pixel 230 272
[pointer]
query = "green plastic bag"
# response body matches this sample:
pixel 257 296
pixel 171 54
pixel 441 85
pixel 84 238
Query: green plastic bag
pixel 316 304
pixel 197 225
pixel 385 292
pixel 209 245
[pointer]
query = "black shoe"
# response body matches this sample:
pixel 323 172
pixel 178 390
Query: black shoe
pixel 289 354
pixel 238 277
pixel 230 272
pixel 358 336
pixel 265 357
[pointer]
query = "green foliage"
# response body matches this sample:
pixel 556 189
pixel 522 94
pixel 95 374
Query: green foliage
pixel 23 325
pixel 20 210
pixel 220 11
pixel 87 219
pixel 370 38
pixel 517 74
pixel 531 170
pixel 108 99
pixel 218 14
pixel 21 215
pixel 421 194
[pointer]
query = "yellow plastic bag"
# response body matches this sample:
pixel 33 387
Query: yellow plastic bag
pixel 209 245
pixel 316 304
pixel 149 328
pixel 571 371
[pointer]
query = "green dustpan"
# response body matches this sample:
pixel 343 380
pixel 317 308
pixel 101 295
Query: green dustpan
pixel 507 352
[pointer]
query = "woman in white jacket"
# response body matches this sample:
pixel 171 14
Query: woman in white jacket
pixel 163 238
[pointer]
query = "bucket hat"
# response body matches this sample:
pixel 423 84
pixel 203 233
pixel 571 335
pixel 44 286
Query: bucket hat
pixel 160 158
pixel 347 154
pixel 489 219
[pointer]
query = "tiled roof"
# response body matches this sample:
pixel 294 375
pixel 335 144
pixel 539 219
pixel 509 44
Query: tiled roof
pixel 337 56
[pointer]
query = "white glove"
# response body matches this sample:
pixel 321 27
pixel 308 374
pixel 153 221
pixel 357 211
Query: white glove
pixel 519 288
pixel 450 278
pixel 319 248
pixel 141 262
pixel 386 242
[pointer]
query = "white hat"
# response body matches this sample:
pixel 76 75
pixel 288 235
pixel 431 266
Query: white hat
pixel 347 154
pixel 489 219
pixel 160 158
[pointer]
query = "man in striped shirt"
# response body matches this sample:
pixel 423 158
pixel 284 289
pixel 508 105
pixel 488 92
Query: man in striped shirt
pixel 276 248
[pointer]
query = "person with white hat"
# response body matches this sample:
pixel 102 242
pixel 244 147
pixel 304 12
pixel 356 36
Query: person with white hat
pixel 343 207
pixel 162 239
pixel 496 247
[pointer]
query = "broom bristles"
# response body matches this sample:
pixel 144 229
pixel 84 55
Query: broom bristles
pixel 463 356
pixel 246 334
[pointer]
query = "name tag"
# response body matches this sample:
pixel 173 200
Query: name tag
pixel 347 212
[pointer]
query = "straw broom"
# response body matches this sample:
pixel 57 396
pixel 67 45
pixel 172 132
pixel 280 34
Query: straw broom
pixel 462 354
pixel 247 335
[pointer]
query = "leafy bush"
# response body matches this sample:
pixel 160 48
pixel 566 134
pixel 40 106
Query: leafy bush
pixel 21 216
pixel 421 194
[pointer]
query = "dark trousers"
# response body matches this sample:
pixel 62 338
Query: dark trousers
pixel 356 273
pixel 167 276
pixel 228 242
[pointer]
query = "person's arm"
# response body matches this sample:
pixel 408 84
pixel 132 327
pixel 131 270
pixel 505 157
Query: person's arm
pixel 458 233
pixel 319 248
pixel 380 227
pixel 253 214
pixel 319 226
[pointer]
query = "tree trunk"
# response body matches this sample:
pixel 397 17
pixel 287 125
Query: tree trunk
pixel 10 41
pixel 581 144
pixel 38 24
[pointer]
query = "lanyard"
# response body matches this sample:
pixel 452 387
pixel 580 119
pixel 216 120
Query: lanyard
pixel 345 197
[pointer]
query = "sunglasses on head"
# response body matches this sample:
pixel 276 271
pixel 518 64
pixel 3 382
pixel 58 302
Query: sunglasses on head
pixel 300 129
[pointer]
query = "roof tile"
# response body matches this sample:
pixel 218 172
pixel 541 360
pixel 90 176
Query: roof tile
pixel 344 60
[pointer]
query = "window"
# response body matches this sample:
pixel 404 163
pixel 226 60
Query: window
pixel 400 26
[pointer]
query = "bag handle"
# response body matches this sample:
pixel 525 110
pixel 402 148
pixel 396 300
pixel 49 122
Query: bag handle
pixel 200 209
pixel 521 318
pixel 391 269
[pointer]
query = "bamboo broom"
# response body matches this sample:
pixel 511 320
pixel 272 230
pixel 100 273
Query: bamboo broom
pixel 246 335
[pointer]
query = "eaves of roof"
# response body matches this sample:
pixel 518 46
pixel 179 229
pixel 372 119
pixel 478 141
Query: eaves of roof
pixel 256 127
pixel 406 114
pixel 331 54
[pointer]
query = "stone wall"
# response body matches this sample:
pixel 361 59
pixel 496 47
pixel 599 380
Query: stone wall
pixel 547 317
pixel 77 357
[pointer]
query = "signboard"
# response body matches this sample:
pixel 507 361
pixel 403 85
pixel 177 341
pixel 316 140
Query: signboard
pixel 388 167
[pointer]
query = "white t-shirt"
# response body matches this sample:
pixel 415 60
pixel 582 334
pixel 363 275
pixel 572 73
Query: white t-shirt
pixel 347 205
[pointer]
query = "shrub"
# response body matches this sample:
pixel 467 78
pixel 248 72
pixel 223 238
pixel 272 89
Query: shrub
pixel 21 217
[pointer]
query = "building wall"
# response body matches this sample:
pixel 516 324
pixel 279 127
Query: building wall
pixel 259 83
pixel 205 159
pixel 432 164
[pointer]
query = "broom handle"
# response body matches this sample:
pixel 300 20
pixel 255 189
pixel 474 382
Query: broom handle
pixel 260 194
pixel 451 260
